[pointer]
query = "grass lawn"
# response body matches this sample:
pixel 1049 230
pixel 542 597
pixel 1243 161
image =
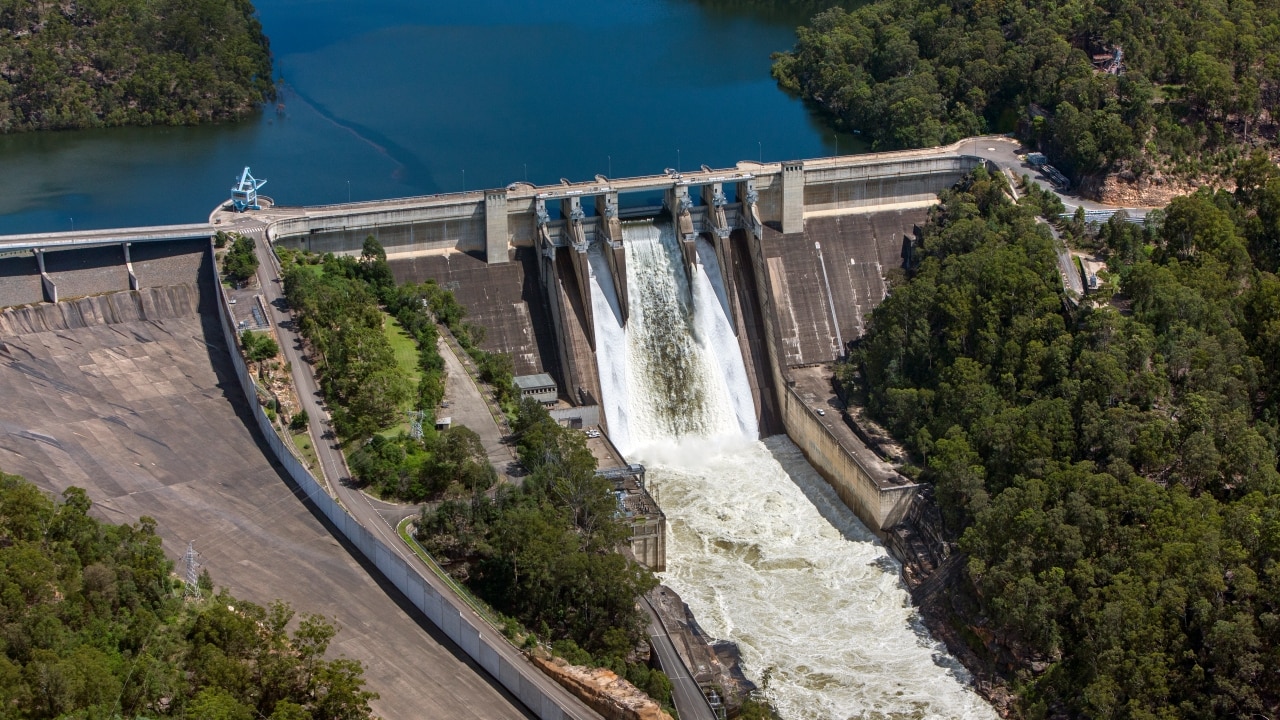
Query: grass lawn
pixel 405 348
pixel 406 351
pixel 302 441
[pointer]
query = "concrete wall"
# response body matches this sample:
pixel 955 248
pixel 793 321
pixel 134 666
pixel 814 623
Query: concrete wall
pixel 20 282
pixel 878 508
pixel 465 234
pixel 87 271
pixel 454 619
pixel 855 194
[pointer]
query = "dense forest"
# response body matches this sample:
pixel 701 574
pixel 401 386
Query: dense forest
pixel 94 625
pixel 545 552
pixel 337 304
pixel 1109 471
pixel 1192 81
pixel 343 305
pixel 92 63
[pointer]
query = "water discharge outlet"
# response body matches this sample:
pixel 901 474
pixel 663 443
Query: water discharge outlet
pixel 759 545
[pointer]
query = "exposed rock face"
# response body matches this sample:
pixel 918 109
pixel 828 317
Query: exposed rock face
pixel 1151 190
pixel 606 693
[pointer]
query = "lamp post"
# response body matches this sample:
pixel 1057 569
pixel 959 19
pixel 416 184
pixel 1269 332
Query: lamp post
pixel 760 147
pixel 348 191
pixel 464 179
pixel 677 159
pixel 610 175
pixel 73 224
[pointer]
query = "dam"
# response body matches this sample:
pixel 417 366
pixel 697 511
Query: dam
pixel 692 312
pixel 692 316
pixel 802 252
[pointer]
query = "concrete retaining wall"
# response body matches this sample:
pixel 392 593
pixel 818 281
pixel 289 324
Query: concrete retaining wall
pixel 879 509
pixel 423 237
pixel 854 194
pixel 451 619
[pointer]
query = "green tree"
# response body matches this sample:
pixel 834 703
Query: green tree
pixel 258 347
pixel 241 262
pixel 1111 477
pixel 94 629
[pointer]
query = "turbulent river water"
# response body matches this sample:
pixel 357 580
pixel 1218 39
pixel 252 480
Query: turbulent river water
pixel 759 545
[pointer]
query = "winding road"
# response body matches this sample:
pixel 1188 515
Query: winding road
pixel 378 517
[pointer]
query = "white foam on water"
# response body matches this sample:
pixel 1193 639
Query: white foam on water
pixel 715 330
pixel 759 544
pixel 611 343
pixel 766 555
pixel 678 359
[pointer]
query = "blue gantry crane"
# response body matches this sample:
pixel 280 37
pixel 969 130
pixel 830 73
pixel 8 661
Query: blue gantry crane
pixel 244 196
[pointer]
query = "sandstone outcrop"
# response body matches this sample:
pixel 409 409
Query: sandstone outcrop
pixel 601 689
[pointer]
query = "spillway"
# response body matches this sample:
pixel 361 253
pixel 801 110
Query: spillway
pixel 675 371
pixel 760 547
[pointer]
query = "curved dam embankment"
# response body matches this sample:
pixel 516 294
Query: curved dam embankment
pixel 133 397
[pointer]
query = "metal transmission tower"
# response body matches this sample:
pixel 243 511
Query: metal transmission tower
pixel 415 424
pixel 244 196
pixel 189 560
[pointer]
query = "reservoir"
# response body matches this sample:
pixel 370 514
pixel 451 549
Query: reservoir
pixel 393 98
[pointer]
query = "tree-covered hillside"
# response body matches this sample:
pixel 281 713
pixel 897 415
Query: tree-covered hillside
pixel 1195 77
pixel 93 625
pixel 129 62
pixel 1110 472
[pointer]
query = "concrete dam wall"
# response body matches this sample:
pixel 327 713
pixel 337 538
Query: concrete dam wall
pixel 88 267
pixel 807 249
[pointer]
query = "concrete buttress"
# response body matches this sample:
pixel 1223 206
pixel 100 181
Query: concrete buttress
pixel 678 203
pixel 496 230
pixel 571 209
pixel 792 197
pixel 713 196
pixel 615 252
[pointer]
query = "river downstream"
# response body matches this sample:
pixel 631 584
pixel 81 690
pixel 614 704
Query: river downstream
pixel 767 556
pixel 758 545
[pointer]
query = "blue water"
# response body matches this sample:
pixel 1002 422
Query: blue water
pixel 388 98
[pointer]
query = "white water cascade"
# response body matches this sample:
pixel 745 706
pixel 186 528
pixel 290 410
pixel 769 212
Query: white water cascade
pixel 759 545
